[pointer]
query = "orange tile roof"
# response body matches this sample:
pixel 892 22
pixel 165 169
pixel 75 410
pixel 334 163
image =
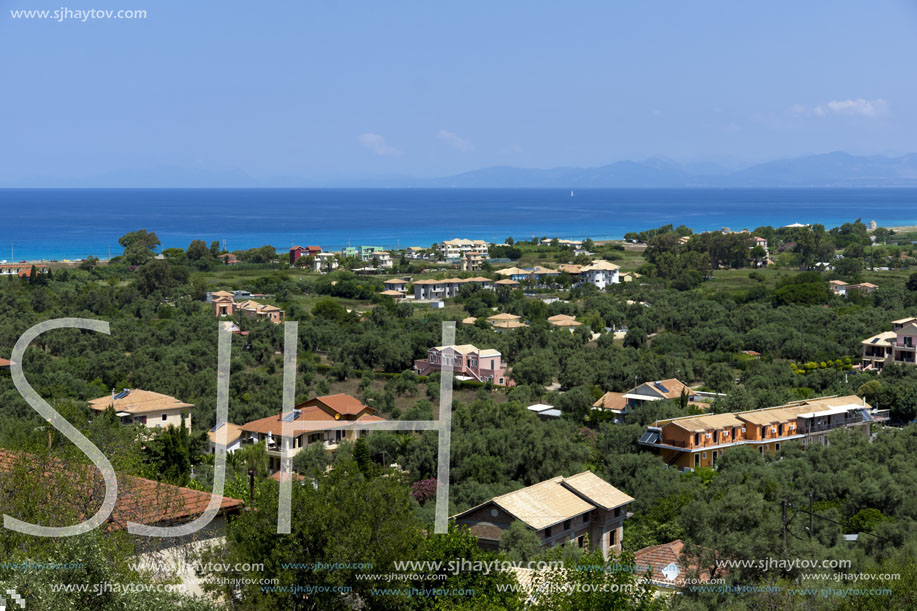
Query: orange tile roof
pixel 341 403
pixel 139 500
pixel 5 364
pixel 328 409
pixel 138 402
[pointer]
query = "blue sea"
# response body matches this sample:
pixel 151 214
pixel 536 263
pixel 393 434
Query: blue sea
pixel 74 223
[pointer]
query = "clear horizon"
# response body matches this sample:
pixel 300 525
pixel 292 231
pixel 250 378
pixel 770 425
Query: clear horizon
pixel 338 92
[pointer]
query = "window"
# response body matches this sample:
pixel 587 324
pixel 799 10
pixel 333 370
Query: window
pixel 780 430
pixel 760 449
pixel 547 532
pixel 566 524
pixel 704 455
pixel 697 439
pixel 716 436
pixel 776 447
pixel 612 537
pixel 697 460
pixel 580 540
pixel 164 416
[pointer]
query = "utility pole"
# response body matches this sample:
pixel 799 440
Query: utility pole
pixel 783 505
pixel 811 513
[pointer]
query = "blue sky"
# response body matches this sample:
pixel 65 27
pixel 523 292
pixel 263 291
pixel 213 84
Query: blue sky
pixel 327 89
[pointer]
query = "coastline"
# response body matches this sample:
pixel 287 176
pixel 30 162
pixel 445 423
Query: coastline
pixel 46 225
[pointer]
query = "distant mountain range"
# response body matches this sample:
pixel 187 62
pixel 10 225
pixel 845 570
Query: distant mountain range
pixel 827 170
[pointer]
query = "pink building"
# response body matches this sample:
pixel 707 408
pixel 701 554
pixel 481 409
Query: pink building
pixel 468 362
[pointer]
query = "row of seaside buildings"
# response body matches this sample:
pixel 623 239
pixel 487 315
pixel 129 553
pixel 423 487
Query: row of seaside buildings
pixel 598 273
pixel 469 254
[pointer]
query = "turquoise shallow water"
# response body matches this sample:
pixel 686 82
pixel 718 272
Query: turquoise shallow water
pixel 74 223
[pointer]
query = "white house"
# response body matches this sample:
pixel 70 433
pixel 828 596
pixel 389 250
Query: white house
pixel 601 273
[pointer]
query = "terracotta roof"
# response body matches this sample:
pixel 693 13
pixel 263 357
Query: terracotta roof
pixel 392 293
pixel 612 400
pixel 328 409
pixel 657 557
pixel 396 281
pixel 506 282
pixel 341 403
pixel 570 268
pixel 673 388
pixel 5 364
pixel 469 321
pixel 221 294
pixel 138 402
pixel 139 500
pixel 233 432
pixel 478 279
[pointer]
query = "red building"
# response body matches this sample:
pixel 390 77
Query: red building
pixel 299 251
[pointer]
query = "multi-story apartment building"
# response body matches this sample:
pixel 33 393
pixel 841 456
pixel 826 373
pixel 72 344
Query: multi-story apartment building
pixel 446 288
pixel 455 249
pixel 332 409
pixel 561 511
pixel 698 441
pixel 896 346
pixel 303 251
pixel 151 409
pixel 600 273
pixel 466 361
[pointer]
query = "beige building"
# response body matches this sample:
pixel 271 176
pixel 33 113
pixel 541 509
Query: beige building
pixel 896 346
pixel 698 441
pixel 322 414
pixel 561 511
pixel 151 409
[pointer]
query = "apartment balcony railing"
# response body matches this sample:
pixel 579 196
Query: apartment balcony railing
pixel 818 428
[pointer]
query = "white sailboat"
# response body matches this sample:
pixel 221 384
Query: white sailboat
pixel 571 192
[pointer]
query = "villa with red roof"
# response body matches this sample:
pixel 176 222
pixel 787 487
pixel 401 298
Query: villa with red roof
pixel 322 413
pixel 303 251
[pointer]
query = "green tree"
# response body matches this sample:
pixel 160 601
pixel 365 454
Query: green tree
pixel 139 246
